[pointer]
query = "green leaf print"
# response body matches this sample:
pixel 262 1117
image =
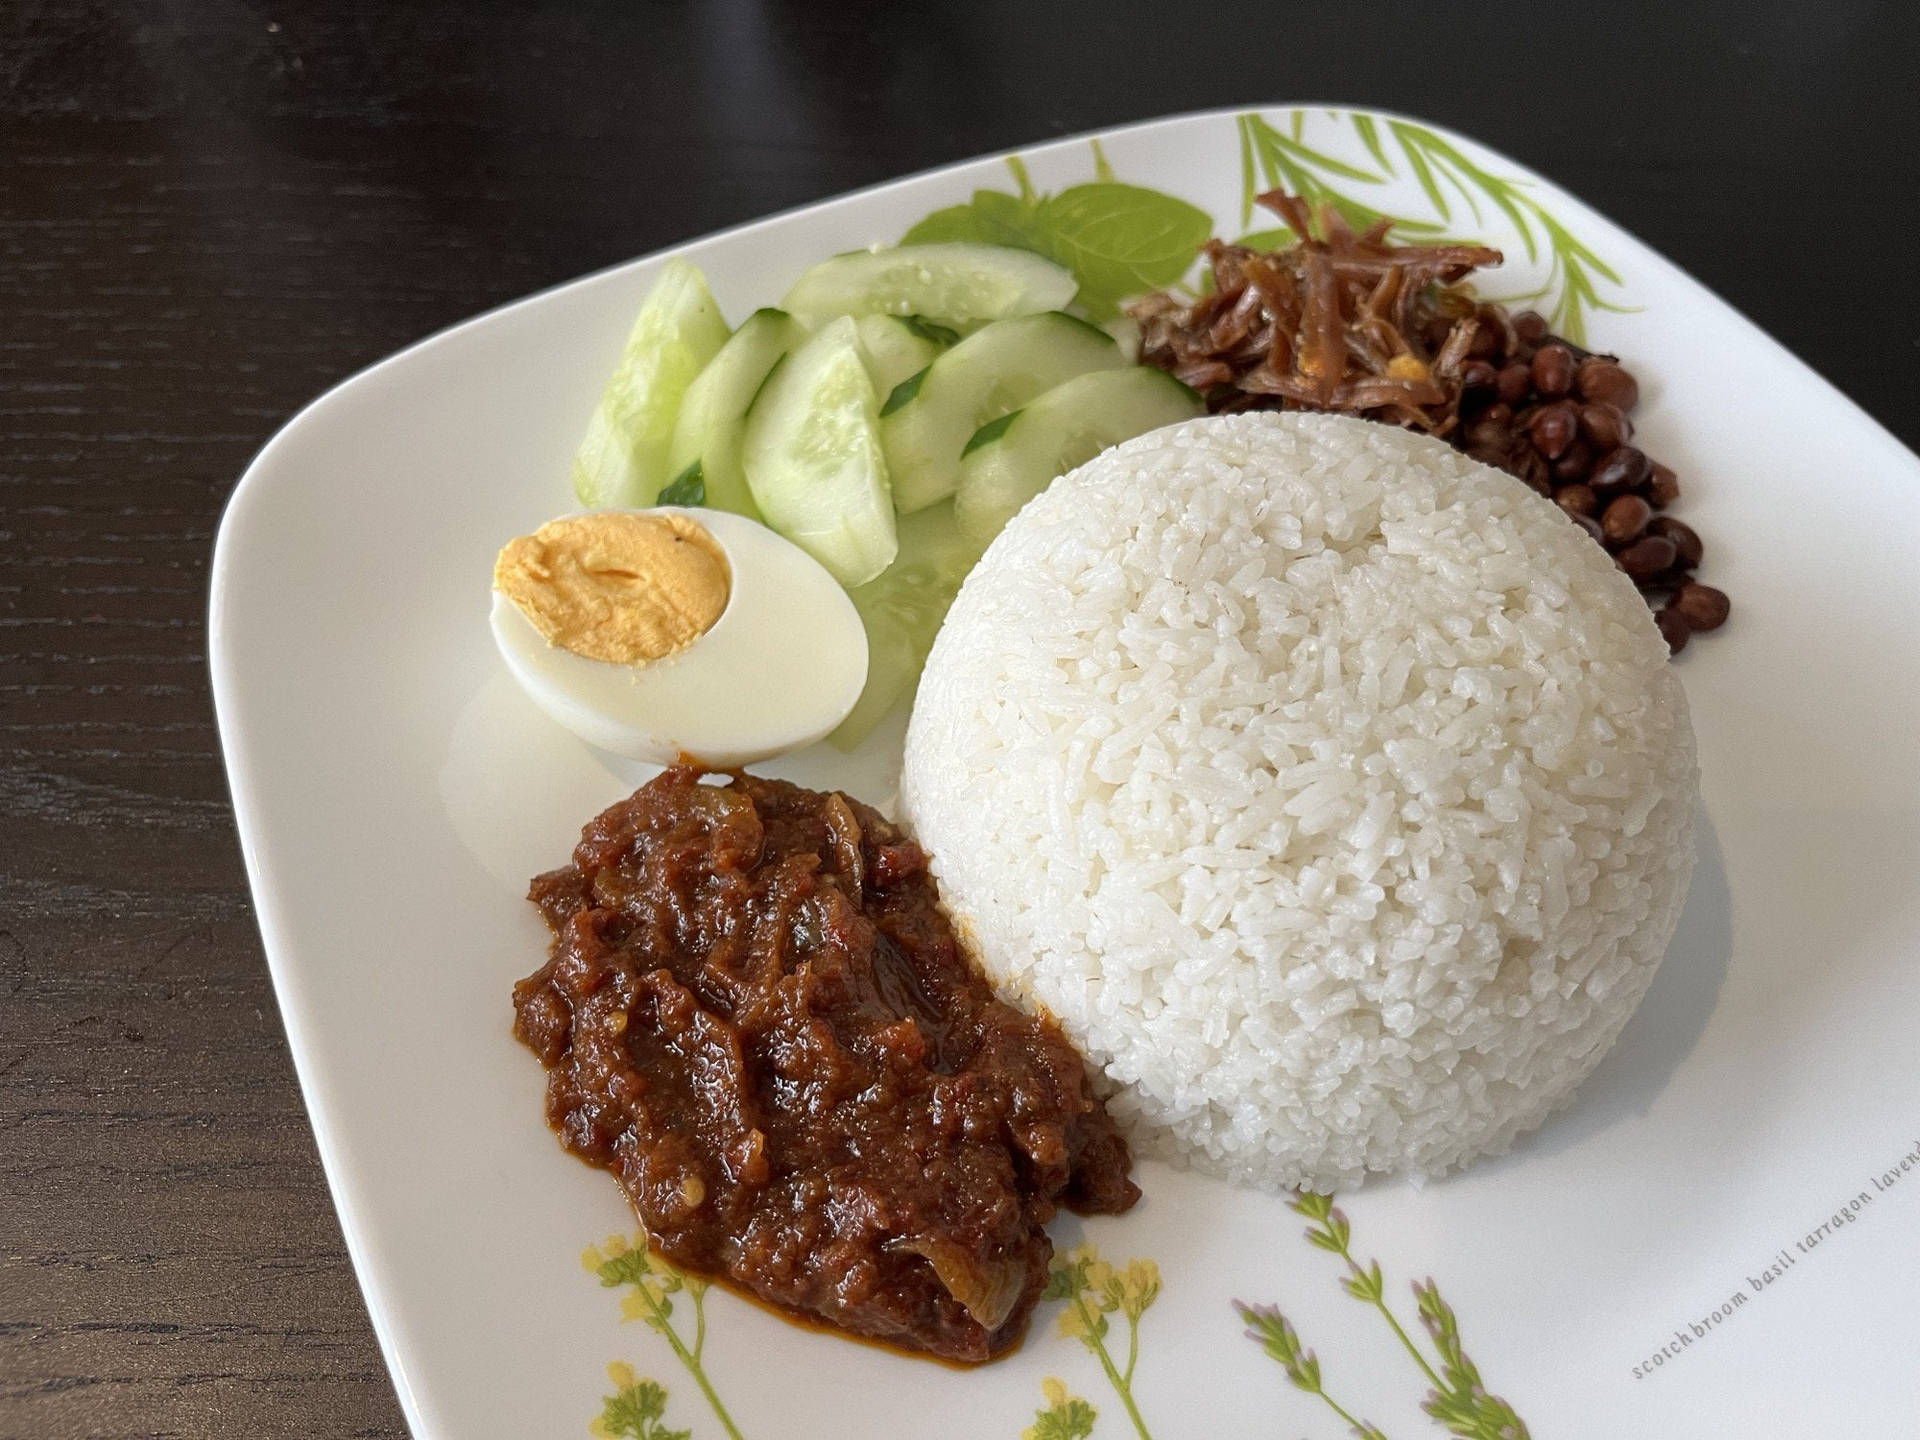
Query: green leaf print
pixel 1284 163
pixel 651 1283
pixel 1271 158
pixel 1063 1417
pixel 1091 1290
pixel 635 1410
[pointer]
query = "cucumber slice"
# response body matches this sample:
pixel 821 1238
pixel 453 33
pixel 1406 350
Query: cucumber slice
pixel 1064 428
pixel 713 417
pixel 897 346
pixel 955 283
pixel 813 457
pixel 1125 331
pixel 623 460
pixel 991 373
pixel 902 610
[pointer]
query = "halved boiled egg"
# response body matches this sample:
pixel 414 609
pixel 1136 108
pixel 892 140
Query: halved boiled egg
pixel 653 633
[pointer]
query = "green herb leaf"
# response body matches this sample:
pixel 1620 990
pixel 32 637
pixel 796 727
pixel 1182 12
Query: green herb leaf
pixel 905 391
pixel 689 487
pixel 988 433
pixel 956 222
pixel 1018 169
pixel 1121 240
pixel 992 217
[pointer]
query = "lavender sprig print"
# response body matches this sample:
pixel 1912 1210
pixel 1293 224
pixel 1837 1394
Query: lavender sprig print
pixel 1457 1399
pixel 1278 1338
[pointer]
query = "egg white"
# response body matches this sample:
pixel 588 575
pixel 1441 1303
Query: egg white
pixel 781 667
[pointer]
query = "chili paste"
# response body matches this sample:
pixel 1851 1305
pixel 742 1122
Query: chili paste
pixel 756 1014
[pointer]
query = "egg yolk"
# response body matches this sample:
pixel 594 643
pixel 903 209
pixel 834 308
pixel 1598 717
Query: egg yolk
pixel 617 586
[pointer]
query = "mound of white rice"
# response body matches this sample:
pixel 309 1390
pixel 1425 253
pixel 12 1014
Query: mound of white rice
pixel 1333 790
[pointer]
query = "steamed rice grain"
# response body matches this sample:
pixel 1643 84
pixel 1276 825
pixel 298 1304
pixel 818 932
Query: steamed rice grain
pixel 1332 789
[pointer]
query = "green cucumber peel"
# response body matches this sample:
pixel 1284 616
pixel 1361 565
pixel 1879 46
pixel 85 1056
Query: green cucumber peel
pixel 928 330
pixel 905 391
pixel 988 433
pixel 689 487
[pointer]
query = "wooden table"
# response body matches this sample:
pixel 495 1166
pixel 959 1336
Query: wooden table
pixel 211 211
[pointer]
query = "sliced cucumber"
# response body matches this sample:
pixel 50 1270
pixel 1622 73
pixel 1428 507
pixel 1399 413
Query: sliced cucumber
pixel 991 373
pixel 902 611
pixel 623 460
pixel 813 459
pixel 713 417
pixel 1064 428
pixel 955 283
pixel 1125 331
pixel 898 346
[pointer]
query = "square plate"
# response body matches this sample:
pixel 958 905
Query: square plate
pixel 1717 1238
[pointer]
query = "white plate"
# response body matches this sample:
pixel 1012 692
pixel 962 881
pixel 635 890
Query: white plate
pixel 395 792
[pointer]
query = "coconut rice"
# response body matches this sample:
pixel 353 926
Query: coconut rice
pixel 1331 789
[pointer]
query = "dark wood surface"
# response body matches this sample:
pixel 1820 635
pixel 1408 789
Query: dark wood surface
pixel 212 209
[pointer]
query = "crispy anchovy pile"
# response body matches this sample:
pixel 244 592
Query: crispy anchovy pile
pixel 1338 321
